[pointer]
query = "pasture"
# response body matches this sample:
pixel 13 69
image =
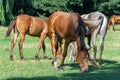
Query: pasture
pixel 29 69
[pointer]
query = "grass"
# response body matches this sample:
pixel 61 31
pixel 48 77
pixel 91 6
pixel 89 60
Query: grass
pixel 43 70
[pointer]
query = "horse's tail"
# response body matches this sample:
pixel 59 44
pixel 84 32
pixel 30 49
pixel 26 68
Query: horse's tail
pixel 11 26
pixel 81 30
pixel 104 23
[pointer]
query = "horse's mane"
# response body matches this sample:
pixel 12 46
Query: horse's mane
pixel 81 30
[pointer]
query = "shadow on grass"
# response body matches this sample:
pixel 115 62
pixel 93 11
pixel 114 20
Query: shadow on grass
pixel 109 71
pixel 74 65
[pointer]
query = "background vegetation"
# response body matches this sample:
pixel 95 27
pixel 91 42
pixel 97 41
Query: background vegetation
pixel 12 8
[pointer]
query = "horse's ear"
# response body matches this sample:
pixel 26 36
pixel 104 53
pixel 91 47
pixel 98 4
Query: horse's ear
pixel 88 47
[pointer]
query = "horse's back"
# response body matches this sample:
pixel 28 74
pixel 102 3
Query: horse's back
pixel 93 15
pixel 38 25
pixel 101 19
pixel 31 25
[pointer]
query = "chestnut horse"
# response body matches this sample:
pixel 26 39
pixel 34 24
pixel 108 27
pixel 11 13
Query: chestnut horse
pixel 68 26
pixel 115 19
pixel 25 24
pixel 96 23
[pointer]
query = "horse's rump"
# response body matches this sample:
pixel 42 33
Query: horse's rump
pixel 63 23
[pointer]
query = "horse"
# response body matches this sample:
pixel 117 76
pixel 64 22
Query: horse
pixel 73 51
pixel 28 25
pixel 70 27
pixel 96 23
pixel 114 19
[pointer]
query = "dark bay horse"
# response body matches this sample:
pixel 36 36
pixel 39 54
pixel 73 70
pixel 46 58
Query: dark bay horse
pixel 96 23
pixel 68 26
pixel 25 24
pixel 114 19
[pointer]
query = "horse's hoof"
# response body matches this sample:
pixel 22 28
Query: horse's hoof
pixel 94 63
pixel 11 59
pixel 100 62
pixel 100 65
pixel 45 57
pixel 21 59
pixel 36 58
pixel 60 68
pixel 54 65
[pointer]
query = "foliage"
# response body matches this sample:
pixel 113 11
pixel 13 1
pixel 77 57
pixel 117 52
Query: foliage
pixel 7 7
pixel 2 17
pixel 109 7
pixel 46 7
pixel 12 8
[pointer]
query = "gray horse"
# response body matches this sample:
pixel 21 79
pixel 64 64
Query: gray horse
pixel 96 23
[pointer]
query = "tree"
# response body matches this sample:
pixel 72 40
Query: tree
pixel 12 8
pixel 7 6
pixel 46 7
pixel 108 7
pixel 2 18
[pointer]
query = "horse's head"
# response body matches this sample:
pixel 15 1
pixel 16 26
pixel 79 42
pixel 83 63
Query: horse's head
pixel 85 58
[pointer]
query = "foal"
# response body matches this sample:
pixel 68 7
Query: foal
pixel 25 24
pixel 114 19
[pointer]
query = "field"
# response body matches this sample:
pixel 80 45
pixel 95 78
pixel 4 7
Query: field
pixel 29 69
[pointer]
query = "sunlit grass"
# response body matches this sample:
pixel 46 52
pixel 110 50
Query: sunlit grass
pixel 29 69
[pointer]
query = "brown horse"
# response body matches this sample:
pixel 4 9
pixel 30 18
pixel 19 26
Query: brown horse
pixel 68 26
pixel 115 19
pixel 25 24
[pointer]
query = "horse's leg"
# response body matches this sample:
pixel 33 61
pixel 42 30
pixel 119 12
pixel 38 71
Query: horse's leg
pixel 94 36
pixel 42 38
pixel 44 50
pixel 22 38
pixel 13 44
pixel 72 59
pixel 59 49
pixel 89 43
pixel 113 24
pixel 89 40
pixel 102 36
pixel 52 37
pixel 64 54
pixel 73 51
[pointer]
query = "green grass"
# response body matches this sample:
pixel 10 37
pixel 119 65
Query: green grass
pixel 29 69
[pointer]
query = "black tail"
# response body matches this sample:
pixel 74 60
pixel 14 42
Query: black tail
pixel 81 30
pixel 11 26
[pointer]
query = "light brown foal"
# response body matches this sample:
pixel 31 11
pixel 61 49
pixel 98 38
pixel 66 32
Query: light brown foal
pixel 114 19
pixel 25 24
